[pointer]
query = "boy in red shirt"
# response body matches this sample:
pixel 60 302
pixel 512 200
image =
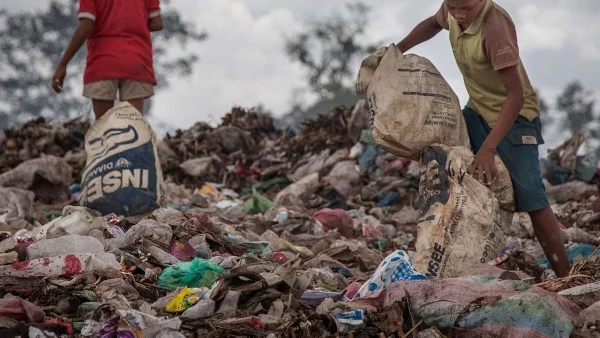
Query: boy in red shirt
pixel 119 51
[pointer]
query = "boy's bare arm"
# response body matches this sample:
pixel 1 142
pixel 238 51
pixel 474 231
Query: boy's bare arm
pixel 424 31
pixel 82 33
pixel 484 160
pixel 155 23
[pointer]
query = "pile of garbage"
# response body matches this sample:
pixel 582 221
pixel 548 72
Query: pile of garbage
pixel 272 233
pixel 37 138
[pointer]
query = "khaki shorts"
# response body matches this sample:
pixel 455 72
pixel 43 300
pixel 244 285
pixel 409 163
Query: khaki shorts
pixel 128 90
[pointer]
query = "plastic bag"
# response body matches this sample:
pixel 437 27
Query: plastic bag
pixel 73 222
pixel 393 268
pixel 344 177
pixel 65 245
pixel 480 306
pixel 148 228
pixel 185 299
pixel 49 177
pixel 183 251
pixel 57 266
pixel 196 273
pixel 19 309
pixel 586 167
pixel 15 203
pixel 332 219
pixel 292 192
pixel 257 204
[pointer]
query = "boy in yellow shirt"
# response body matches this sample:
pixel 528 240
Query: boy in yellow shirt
pixel 502 113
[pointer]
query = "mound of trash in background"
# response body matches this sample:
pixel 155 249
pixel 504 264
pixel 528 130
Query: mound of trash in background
pixel 274 233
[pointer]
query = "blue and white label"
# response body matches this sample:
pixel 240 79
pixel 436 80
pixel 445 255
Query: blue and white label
pixel 122 173
pixel 124 183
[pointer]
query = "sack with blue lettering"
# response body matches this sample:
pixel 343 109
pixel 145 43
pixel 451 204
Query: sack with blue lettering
pixel 463 223
pixel 122 173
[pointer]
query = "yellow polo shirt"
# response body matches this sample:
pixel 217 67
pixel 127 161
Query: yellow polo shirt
pixel 489 44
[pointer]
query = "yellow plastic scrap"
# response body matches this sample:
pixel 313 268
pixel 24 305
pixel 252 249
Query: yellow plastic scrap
pixel 183 300
pixel 207 190
pixel 301 250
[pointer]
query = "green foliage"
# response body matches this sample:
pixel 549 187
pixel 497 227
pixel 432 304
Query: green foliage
pixel 329 51
pixel 578 105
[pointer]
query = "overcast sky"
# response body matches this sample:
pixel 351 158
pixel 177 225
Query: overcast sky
pixel 243 62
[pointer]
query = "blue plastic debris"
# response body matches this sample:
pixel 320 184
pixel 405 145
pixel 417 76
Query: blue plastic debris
pixel 395 267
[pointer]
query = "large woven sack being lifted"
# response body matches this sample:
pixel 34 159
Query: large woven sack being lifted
pixel 463 222
pixel 411 105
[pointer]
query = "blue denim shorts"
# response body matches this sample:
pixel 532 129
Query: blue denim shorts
pixel 519 152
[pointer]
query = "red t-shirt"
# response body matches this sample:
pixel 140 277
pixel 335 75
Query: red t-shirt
pixel 120 46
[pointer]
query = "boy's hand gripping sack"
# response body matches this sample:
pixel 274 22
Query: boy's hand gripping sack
pixel 411 105
pixel 122 173
pixel 463 222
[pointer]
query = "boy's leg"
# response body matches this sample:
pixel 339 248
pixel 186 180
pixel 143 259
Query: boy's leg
pixel 103 94
pixel 137 104
pixel 522 161
pixel 519 152
pixel 135 93
pixel 548 233
pixel 101 107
